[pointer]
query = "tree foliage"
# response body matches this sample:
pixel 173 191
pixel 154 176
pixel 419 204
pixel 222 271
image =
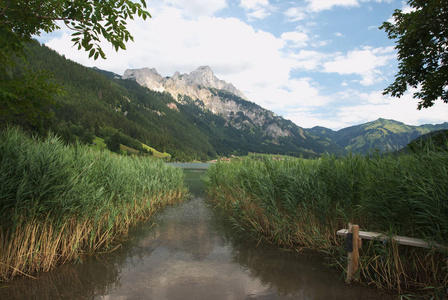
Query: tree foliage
pixel 88 19
pixel 113 142
pixel 422 43
pixel 28 96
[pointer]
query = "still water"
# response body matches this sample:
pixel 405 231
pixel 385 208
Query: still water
pixel 191 251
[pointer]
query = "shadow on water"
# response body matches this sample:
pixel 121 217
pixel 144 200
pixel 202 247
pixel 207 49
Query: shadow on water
pixel 191 251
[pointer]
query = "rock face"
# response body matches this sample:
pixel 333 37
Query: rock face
pixel 218 97
pixel 194 85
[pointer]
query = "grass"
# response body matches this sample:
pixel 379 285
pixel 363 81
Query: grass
pixel 61 202
pixel 302 203
pixel 127 149
pixel 98 143
pixel 155 152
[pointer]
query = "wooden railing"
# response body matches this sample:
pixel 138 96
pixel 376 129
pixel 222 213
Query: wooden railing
pixel 354 243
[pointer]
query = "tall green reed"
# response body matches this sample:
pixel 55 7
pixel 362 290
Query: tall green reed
pixel 302 203
pixel 70 199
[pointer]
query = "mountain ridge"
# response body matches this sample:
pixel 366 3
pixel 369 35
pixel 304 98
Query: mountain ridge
pixel 384 135
pixel 202 88
pixel 221 98
pixel 101 103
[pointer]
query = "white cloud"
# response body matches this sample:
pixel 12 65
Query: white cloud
pixel 366 107
pixel 365 62
pixel 295 39
pixel 254 4
pixel 300 92
pixel 256 9
pixel 308 60
pixel 402 109
pixel 294 14
pixel 319 5
pixel 169 42
pixel 251 60
pixel 308 118
pixel 194 8
pixel 183 35
pixel 405 9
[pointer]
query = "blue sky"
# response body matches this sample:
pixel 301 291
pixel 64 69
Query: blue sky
pixel 315 62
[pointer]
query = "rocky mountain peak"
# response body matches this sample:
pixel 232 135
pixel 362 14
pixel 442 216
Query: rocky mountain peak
pixel 220 98
pixel 183 84
pixel 203 76
pixel 146 77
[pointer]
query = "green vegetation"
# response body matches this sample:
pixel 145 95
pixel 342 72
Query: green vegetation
pixel 28 94
pixel 302 203
pixel 421 41
pixel 60 202
pixel 382 135
pixel 96 105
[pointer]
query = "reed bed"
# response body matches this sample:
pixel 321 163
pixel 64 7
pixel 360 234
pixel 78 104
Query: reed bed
pixel 61 202
pixel 302 203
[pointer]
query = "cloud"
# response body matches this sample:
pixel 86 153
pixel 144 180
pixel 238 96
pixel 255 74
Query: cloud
pixel 256 9
pixel 402 109
pixel 366 107
pixel 250 59
pixel 295 39
pixel 308 59
pixel 282 72
pixel 299 13
pixel 320 5
pixel 194 8
pixel 294 14
pixel 405 9
pixel 365 62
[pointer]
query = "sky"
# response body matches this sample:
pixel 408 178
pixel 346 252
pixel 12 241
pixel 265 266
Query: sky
pixel 314 62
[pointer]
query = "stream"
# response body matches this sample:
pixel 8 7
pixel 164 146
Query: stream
pixel 192 251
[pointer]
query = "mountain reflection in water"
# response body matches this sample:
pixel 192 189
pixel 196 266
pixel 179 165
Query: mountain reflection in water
pixel 190 251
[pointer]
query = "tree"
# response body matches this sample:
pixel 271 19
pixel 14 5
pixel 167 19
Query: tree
pixel 422 43
pixel 90 21
pixel 113 142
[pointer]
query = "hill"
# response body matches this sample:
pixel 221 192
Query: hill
pixel 193 116
pixel 383 135
pixel 101 103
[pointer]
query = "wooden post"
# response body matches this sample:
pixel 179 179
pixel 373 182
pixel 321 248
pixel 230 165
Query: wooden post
pixel 353 256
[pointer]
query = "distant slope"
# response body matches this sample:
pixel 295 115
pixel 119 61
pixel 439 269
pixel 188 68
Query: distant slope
pixel 382 134
pixel 437 139
pixel 99 103
pixel 207 117
pixel 244 125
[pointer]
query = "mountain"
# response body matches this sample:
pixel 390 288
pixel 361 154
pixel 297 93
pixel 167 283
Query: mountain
pixel 101 103
pixel 382 134
pixel 214 96
pixel 193 116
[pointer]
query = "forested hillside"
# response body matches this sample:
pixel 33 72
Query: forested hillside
pixel 93 104
pixel 98 103
pixel 382 135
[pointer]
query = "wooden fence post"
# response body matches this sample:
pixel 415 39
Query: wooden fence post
pixel 353 255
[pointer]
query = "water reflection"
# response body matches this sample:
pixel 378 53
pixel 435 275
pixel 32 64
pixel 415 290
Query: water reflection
pixel 190 251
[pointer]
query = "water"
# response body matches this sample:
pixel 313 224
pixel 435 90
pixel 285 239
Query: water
pixel 191 251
